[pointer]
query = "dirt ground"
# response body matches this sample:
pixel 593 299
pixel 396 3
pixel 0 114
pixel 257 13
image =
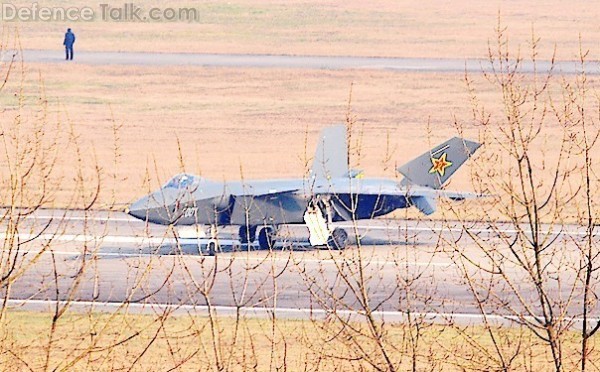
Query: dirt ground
pixel 455 29
pixel 263 123
pixel 245 123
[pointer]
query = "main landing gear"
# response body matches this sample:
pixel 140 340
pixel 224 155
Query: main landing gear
pixel 247 234
pixel 319 224
pixel 338 239
pixel 267 236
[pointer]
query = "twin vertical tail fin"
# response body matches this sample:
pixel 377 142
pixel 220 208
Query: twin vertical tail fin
pixel 331 157
pixel 435 167
pixel 432 169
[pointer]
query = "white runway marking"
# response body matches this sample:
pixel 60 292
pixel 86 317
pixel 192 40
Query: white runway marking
pixel 360 226
pixel 241 256
pixel 82 218
pixel 458 230
pixel 94 238
pixel 267 312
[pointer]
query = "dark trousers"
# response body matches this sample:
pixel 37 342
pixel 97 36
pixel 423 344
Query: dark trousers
pixel 69 52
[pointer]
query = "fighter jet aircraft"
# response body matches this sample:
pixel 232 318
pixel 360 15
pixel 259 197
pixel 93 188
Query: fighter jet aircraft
pixel 330 192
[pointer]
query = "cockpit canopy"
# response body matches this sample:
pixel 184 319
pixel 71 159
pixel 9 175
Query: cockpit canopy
pixel 182 181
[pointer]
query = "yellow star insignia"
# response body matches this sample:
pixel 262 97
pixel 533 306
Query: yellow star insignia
pixel 439 165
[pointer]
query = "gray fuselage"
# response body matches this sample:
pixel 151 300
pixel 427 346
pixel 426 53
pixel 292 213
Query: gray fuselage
pixel 267 202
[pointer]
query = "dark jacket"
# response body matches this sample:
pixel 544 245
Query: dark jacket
pixel 69 39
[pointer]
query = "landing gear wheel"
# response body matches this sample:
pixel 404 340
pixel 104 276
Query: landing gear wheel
pixel 212 247
pixel 243 233
pixel 267 237
pixel 338 239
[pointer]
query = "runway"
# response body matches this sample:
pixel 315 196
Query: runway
pixel 420 65
pixel 111 261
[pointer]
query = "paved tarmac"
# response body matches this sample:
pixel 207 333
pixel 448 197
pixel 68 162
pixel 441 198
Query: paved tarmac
pixel 421 65
pixel 106 259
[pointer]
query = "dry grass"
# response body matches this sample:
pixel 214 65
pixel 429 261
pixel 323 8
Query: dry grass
pixel 264 122
pixel 253 118
pixel 186 340
pixel 454 29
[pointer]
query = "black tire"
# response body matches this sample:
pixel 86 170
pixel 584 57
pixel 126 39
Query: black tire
pixel 267 238
pixel 338 239
pixel 212 248
pixel 243 233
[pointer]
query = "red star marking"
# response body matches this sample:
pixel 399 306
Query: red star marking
pixel 439 165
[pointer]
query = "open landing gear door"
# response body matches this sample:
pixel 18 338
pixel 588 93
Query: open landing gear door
pixel 317 226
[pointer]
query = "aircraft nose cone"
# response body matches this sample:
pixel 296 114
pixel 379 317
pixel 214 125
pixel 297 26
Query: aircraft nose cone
pixel 140 208
pixel 155 208
pixel 160 207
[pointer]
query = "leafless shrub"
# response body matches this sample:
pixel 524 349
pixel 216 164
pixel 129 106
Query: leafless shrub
pixel 538 267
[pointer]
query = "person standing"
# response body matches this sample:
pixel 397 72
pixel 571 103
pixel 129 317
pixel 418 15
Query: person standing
pixel 68 43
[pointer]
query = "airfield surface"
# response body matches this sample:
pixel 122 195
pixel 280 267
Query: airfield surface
pixel 148 267
pixel 432 65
